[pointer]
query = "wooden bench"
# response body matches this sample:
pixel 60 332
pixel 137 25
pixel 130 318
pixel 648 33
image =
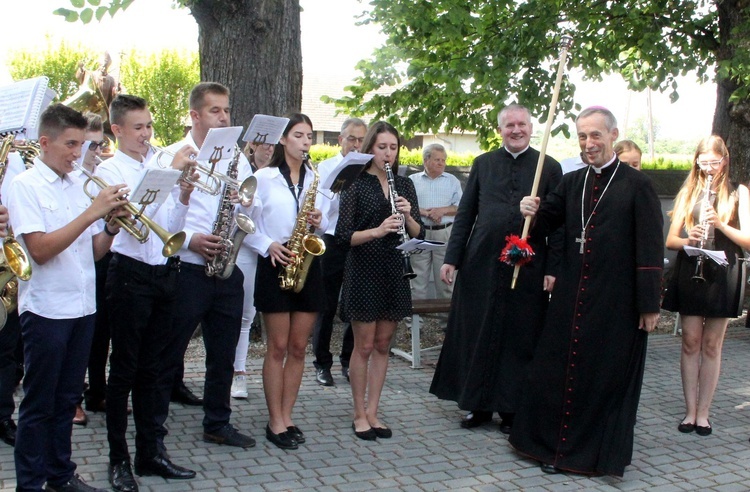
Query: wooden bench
pixel 420 307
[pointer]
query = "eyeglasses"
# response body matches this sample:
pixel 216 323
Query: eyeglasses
pixel 705 164
pixel 352 139
pixel 97 145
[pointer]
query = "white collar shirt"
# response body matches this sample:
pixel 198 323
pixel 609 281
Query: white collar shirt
pixel 65 286
pixel 121 168
pixel 334 199
pixel 442 191
pixel 15 167
pixel 203 207
pixel 279 208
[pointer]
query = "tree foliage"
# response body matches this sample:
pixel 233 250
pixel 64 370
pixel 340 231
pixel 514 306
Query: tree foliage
pixel 452 64
pixel 164 79
pixel 251 46
pixel 58 62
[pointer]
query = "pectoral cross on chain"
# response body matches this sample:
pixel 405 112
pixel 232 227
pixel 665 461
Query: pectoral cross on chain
pixel 581 240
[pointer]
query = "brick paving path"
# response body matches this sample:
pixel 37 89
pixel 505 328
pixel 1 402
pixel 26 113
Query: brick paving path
pixel 430 452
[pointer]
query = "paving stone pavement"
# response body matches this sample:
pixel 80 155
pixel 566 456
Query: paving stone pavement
pixel 429 451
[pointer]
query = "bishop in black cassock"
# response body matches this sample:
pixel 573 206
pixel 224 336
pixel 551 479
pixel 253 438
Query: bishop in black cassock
pixel 579 407
pixel 492 330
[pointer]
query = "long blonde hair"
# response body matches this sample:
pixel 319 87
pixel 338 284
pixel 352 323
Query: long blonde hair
pixel 695 184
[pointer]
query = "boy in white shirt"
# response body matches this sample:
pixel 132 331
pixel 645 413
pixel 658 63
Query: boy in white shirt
pixel 52 218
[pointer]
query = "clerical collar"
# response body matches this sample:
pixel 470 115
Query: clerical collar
pixel 598 170
pixel 516 154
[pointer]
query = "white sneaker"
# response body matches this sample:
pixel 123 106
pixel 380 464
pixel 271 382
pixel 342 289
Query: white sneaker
pixel 239 387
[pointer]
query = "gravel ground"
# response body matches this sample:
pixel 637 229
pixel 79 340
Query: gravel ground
pixel 431 334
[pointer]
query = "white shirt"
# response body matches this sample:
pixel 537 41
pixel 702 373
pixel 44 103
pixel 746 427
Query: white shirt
pixel 65 286
pixel 279 209
pixel 442 191
pixel 203 207
pixel 572 164
pixel 121 168
pixel 334 199
pixel 15 167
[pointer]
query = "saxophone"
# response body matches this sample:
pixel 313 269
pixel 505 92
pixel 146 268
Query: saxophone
pixel 303 244
pixel 14 262
pixel 232 226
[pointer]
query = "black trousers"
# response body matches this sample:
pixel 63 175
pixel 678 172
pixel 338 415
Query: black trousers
pixel 9 336
pixel 100 343
pixel 142 300
pixel 217 305
pixel 332 263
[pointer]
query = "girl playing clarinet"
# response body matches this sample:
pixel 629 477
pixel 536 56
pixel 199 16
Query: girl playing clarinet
pixel 711 213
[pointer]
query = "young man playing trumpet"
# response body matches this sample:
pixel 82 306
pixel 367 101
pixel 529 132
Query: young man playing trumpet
pixel 54 220
pixel 142 293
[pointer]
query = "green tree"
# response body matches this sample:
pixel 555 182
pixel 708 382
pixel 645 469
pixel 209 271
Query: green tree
pixel 251 46
pixel 453 63
pixel 164 79
pixel 58 63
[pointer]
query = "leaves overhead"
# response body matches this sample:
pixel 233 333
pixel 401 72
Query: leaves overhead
pixel 453 64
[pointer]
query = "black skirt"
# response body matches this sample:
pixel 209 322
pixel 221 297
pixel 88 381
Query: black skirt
pixel 269 298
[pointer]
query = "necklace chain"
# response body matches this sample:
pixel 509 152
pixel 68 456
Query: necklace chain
pixel 584 225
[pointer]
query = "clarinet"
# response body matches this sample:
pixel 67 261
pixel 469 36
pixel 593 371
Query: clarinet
pixel 393 195
pixel 698 275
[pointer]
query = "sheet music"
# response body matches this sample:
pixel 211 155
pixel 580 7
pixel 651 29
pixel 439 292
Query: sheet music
pixel 265 129
pixel 720 257
pixel 21 104
pixel 350 159
pixel 419 245
pixel 219 144
pixel 155 186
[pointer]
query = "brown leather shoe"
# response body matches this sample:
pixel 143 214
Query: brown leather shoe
pixel 80 417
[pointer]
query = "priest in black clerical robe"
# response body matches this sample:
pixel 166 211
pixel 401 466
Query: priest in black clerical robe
pixel 492 329
pixel 579 407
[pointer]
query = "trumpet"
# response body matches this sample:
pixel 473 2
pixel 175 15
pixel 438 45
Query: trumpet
pixel 209 181
pixel 172 242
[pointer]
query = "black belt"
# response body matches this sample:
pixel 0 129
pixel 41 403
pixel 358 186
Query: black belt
pixel 438 227
pixel 173 263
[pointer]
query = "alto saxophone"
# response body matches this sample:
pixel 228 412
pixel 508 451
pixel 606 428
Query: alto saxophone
pixel 230 225
pixel 303 244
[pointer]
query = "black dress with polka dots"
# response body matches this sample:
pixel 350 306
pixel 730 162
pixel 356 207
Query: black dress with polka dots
pixel 373 286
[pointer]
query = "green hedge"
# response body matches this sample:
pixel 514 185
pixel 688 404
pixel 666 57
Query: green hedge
pixel 407 157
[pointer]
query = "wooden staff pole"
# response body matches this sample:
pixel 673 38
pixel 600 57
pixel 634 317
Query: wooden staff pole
pixel 565 43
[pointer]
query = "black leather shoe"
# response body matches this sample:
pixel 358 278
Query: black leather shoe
pixel 551 469
pixel 296 434
pixel 183 395
pixel 282 440
pixel 367 435
pixel 686 427
pixel 161 467
pixel 75 484
pixel 95 405
pixel 323 377
pixel 345 373
pixel 383 432
pixel 506 423
pixel 121 477
pixel 704 430
pixel 8 432
pixel 229 436
pixel 475 419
